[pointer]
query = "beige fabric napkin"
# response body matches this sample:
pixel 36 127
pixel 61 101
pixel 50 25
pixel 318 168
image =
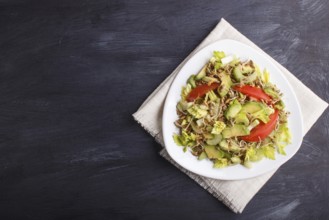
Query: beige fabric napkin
pixel 234 194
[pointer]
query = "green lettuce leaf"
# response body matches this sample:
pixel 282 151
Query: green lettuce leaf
pixel 197 111
pixel 218 127
pixel 269 151
pixel 177 140
pixel 281 149
pixel 266 76
pixel 282 138
pixel 250 153
pixel 219 55
pixel 220 163
pixel 258 72
pixel 185 91
pixel 185 139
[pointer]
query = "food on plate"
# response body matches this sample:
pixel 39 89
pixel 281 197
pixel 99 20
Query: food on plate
pixel 230 113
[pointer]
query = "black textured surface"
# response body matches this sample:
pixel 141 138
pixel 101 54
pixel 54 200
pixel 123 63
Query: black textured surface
pixel 73 72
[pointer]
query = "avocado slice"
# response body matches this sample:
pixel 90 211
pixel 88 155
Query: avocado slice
pixel 235 160
pixel 195 128
pixel 247 69
pixel 224 145
pixel 232 147
pixel 252 107
pixel 233 109
pixel 225 85
pixel 202 156
pixel 207 136
pixel 209 79
pixel 242 118
pixel 236 130
pixel 262 115
pixel 271 93
pixel 212 152
pixel 215 140
pixel 202 73
pixel 258 110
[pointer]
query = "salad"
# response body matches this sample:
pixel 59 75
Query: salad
pixel 230 113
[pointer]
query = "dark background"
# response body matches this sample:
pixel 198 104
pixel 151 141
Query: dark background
pixel 73 72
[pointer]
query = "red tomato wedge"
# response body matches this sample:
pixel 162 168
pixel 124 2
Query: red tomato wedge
pixel 261 131
pixel 200 91
pixel 254 92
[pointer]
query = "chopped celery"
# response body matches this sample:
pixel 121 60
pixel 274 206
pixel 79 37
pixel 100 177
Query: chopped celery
pixel 212 96
pixel 209 79
pixel 202 73
pixel 253 124
pixel 227 59
pixel 244 72
pixel 233 109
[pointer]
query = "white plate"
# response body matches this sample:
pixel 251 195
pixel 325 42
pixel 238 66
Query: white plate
pixel 205 167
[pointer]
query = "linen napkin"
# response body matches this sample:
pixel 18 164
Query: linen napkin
pixel 235 194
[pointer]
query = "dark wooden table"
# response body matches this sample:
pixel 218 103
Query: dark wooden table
pixel 73 72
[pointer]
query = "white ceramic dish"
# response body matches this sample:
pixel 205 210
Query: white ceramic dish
pixel 205 167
